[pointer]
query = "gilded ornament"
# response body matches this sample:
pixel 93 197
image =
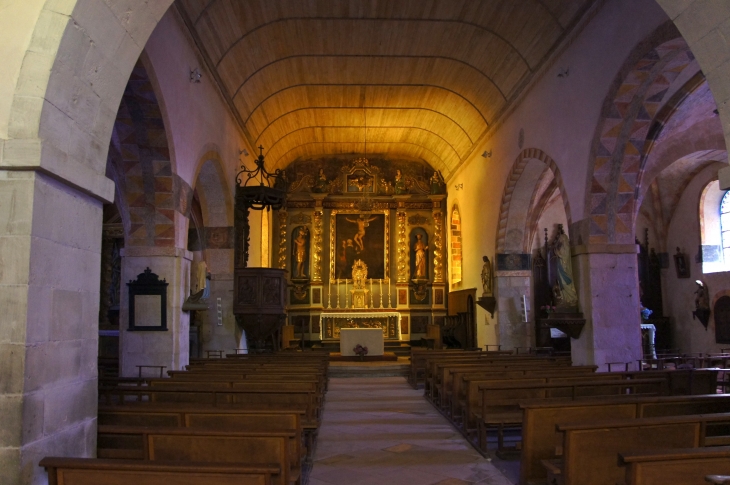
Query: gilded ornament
pixel 301 218
pixel 402 249
pixel 317 246
pixel 438 268
pixel 417 220
pixel 282 239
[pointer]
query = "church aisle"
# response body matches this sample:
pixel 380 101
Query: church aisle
pixel 381 431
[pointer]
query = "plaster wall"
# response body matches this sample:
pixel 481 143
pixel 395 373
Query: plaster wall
pixel 17 19
pixel 559 116
pixel 196 119
pixel 684 232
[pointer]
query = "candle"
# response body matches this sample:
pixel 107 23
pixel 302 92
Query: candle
pixel 346 293
pixel 371 292
pixel 381 292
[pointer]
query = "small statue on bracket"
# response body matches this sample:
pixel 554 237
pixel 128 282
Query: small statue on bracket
pixel 321 185
pixel 437 183
pixel 487 277
pixel 400 183
pixel 702 304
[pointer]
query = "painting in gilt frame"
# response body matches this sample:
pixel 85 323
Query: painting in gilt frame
pixel 355 235
pixel 681 264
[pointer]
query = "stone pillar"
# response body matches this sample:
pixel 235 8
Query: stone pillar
pixel 512 331
pixel 608 291
pixel 221 334
pixel 50 252
pixel 170 348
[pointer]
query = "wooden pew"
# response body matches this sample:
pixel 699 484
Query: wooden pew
pixel 244 375
pixel 500 407
pixel 198 445
pixel 687 466
pixel 418 361
pixel 493 391
pixel 89 471
pixel 430 363
pixel 211 419
pixel 460 378
pixel 540 418
pixel 678 382
pixel 444 380
pixel 233 398
pixel 437 371
pixel 590 450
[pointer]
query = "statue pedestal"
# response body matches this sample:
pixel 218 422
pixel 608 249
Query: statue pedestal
pixel 489 303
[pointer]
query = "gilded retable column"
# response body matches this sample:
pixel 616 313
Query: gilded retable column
pixel 317 247
pixel 438 255
pixel 281 262
pixel 402 249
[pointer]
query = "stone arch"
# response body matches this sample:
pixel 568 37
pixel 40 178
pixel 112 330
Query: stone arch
pixel 79 60
pixel 215 195
pixel 702 24
pixel 140 154
pixel 216 201
pixel 625 131
pixel 514 230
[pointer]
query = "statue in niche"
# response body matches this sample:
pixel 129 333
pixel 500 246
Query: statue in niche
pixel 362 223
pixel 487 277
pixel 437 183
pixel 321 184
pixel 561 249
pixel 300 251
pixel 702 304
pixel 400 183
pixel 419 249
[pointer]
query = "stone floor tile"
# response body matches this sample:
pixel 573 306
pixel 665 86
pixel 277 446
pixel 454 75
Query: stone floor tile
pixel 381 431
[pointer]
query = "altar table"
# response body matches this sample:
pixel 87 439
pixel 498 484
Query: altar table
pixel 372 338
pixel 330 323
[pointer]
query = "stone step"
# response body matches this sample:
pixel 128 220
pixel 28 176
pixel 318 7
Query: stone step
pixel 365 370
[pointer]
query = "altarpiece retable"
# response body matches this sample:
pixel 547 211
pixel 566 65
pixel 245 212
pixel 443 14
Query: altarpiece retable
pixel 362 242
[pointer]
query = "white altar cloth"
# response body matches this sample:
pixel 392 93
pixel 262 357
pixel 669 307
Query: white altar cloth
pixel 358 315
pixel 372 338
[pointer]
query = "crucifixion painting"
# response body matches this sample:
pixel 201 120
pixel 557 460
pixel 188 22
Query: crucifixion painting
pixel 360 236
pixel 362 222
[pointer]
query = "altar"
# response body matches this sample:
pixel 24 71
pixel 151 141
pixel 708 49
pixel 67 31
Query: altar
pixel 372 338
pixel 332 323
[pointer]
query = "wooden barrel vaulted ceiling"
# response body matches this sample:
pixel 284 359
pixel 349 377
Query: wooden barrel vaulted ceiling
pixel 416 79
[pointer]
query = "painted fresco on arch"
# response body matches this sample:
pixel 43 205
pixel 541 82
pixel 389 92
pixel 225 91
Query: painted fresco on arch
pixel 360 236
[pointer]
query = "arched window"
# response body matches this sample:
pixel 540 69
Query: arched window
pixel 725 225
pixel 715 228
pixel 455 246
